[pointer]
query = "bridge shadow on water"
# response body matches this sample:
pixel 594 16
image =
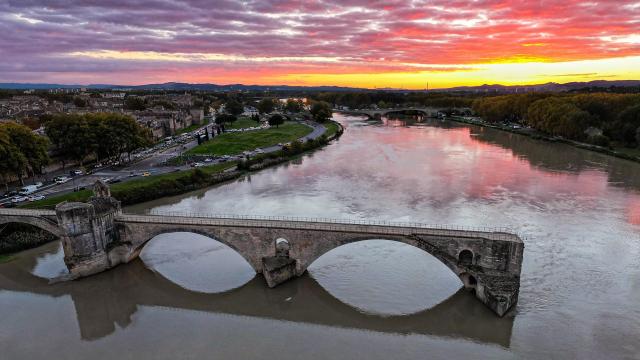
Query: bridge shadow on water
pixel 113 297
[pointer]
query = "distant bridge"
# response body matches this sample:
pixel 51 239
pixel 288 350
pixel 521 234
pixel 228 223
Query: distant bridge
pixel 376 113
pixel 97 236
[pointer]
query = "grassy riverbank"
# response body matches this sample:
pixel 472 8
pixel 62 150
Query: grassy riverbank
pixel 236 143
pixel 242 123
pixel 146 188
pixel 158 186
pixel 619 152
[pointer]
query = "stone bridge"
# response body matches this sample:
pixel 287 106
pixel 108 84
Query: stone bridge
pixel 97 236
pixel 426 111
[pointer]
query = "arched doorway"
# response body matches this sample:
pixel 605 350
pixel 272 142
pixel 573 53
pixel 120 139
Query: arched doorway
pixel 465 258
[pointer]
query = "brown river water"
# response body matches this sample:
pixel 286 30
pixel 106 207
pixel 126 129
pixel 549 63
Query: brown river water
pixel 190 297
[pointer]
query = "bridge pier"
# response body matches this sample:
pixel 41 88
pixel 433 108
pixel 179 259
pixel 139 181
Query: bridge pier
pixel 281 267
pixel 97 236
pixel 89 233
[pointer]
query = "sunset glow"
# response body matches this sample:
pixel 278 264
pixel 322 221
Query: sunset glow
pixel 348 43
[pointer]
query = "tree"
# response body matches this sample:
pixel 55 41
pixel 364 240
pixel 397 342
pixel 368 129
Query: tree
pixel 558 116
pixel 267 105
pixel 32 150
pixel 294 105
pixel 105 135
pixel 321 111
pixel 276 120
pixel 625 127
pixel 135 103
pixel 234 107
pixel 225 118
pixel 256 118
pixel 79 102
pixel 13 161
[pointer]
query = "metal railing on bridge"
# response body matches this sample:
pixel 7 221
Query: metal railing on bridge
pixel 318 223
pixel 26 212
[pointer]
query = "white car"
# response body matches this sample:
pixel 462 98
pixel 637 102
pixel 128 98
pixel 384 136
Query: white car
pixel 19 199
pixel 61 179
pixel 35 197
pixel 78 172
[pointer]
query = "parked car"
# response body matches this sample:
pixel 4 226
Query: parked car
pixel 9 194
pixel 26 190
pixel 61 179
pixel 76 173
pixel 208 160
pixel 19 199
pixel 198 164
pixel 146 173
pixel 35 197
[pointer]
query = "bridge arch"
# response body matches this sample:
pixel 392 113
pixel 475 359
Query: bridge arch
pixel 138 246
pixel 450 262
pixel 45 224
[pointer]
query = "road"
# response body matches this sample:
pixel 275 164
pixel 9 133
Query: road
pixel 152 164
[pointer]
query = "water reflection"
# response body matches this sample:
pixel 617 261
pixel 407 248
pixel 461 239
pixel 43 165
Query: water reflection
pixel 109 300
pixel 50 264
pixel 384 277
pixel 196 262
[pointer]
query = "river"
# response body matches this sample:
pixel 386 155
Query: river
pixel 189 296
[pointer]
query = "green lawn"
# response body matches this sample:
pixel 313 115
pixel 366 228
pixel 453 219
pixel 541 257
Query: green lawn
pixel 6 258
pixel 123 187
pixel 331 127
pixel 235 143
pixel 242 123
pixel 51 202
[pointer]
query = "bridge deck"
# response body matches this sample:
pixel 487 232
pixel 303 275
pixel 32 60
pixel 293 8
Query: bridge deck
pixel 27 212
pixel 322 224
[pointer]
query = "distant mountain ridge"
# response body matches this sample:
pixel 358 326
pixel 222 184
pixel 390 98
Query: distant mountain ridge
pixel 549 87
pixel 177 86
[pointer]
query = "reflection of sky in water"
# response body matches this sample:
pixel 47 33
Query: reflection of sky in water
pixel 196 262
pixel 50 265
pixel 579 210
pixel 384 277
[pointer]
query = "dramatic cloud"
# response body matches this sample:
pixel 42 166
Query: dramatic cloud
pixel 369 43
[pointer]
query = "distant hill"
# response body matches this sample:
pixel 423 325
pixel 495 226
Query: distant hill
pixel 176 86
pixel 179 86
pixel 548 87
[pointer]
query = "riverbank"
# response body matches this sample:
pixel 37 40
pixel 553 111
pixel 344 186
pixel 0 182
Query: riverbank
pixel 233 143
pixel 532 133
pixel 158 186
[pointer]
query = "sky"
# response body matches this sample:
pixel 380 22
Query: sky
pixel 360 43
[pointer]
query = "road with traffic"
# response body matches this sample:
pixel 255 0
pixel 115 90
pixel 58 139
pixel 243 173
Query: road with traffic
pixel 150 162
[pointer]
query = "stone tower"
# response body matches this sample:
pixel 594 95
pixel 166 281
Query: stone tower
pixel 89 231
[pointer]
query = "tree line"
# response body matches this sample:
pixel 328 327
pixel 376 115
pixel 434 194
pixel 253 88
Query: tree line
pixel 387 99
pixel 22 152
pixel 569 115
pixel 103 135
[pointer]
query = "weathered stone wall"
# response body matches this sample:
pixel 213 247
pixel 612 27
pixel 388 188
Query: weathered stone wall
pixel 96 237
pixel 493 272
pixel 41 222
